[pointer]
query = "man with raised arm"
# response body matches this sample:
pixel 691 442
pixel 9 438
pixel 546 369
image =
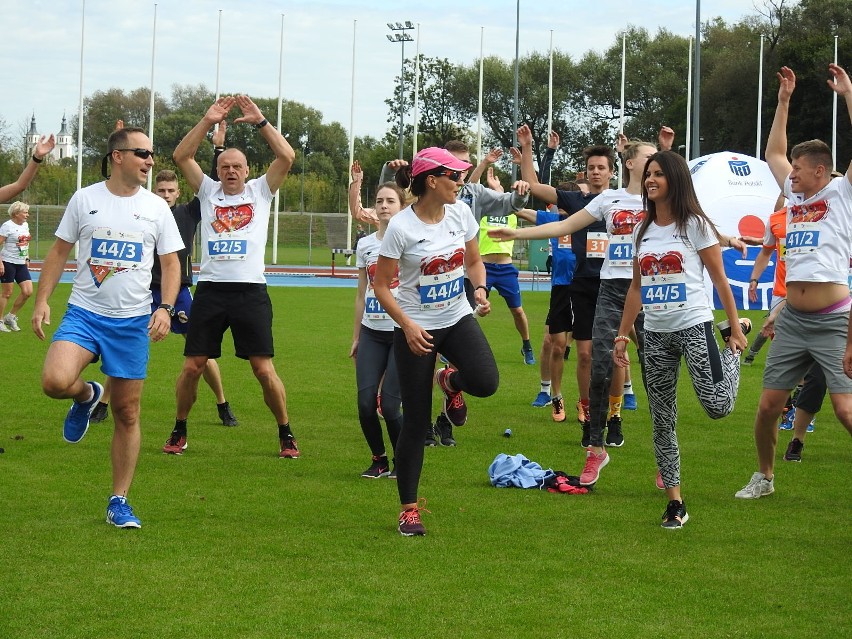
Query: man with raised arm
pixel 118 226
pixel 231 291
pixel 813 326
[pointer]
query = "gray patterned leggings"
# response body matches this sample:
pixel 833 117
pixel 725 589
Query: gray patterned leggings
pixel 715 379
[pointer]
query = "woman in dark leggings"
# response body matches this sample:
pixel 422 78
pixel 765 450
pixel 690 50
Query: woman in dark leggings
pixel 372 342
pixel 433 245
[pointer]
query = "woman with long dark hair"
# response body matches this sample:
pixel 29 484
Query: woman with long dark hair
pixel 673 245
pixel 433 243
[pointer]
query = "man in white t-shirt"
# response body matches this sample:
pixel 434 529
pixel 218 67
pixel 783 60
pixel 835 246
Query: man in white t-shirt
pixel 814 324
pixel 231 290
pixel 118 226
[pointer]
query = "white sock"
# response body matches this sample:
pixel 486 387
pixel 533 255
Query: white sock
pixel 628 388
pixel 545 387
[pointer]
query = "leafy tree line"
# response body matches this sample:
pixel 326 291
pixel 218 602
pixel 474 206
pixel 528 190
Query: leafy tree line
pixel 586 110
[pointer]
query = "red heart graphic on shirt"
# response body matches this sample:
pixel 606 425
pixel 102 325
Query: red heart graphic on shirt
pixel 232 218
pixel 624 221
pixel 667 263
pixel 437 264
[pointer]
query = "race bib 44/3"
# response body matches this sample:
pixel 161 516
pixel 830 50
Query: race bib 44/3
pixel 116 249
pixel 663 292
pixel 439 291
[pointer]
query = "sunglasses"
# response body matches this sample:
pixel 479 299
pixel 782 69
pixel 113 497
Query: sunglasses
pixel 455 176
pixel 142 154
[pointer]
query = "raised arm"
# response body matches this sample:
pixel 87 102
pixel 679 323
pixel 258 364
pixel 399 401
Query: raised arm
pixel 42 148
pixel 284 154
pixel 184 154
pixel 842 87
pixel 218 141
pixel 665 138
pixel 541 191
pixel 776 144
pixel 357 211
pixel 490 158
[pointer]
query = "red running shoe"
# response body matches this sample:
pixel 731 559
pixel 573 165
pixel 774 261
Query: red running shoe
pixel 454 407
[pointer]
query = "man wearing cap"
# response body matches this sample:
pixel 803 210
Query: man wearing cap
pixel 118 225
pixel 231 291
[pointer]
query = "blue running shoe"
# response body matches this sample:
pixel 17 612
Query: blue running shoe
pixel 77 419
pixel 541 400
pixel 529 357
pixel 120 514
pixel 787 418
pixel 629 402
pixel 811 425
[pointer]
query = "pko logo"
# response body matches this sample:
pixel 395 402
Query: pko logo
pixel 739 167
pixel 698 166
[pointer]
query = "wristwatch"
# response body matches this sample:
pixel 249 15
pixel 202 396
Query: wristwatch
pixel 169 309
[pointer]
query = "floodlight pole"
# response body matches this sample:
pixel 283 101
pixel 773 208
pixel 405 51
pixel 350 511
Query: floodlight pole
pixel 400 35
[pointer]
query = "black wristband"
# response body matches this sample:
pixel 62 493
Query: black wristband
pixel 37 160
pixel 475 288
pixel 261 124
pixel 168 308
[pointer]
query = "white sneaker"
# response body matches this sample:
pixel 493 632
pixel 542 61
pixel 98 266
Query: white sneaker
pixel 11 321
pixel 4 328
pixel 758 487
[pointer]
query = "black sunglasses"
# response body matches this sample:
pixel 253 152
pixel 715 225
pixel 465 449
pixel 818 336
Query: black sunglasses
pixel 455 176
pixel 142 154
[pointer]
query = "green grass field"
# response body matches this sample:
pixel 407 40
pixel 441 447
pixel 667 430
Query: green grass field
pixel 237 543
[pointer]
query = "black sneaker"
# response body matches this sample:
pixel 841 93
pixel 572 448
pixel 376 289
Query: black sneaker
pixel 614 437
pixel 675 516
pixel 430 437
pixel 443 429
pixel 794 450
pixel 100 413
pixel 379 468
pixel 587 434
pixel 227 415
pixel 725 328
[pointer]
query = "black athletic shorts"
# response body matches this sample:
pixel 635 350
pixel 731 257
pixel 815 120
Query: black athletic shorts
pixel 584 298
pixel 244 308
pixel 560 318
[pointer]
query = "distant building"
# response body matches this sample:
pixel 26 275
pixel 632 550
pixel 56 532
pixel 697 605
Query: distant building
pixel 64 142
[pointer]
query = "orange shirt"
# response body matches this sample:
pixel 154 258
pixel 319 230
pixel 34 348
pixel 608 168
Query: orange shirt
pixel 777 229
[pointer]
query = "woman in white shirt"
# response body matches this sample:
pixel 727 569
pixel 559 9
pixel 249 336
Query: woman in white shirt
pixel 672 247
pixel 15 240
pixel 433 243
pixel 372 342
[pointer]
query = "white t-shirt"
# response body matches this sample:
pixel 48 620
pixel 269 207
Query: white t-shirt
pixel 621 211
pixel 431 264
pixel 234 230
pixel 819 233
pixel 366 257
pixel 16 248
pixel 117 237
pixel 672 276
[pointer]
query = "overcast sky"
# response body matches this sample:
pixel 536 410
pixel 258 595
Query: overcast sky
pixel 40 50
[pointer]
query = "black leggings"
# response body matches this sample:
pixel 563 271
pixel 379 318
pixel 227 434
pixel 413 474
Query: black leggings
pixel 465 345
pixel 373 362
